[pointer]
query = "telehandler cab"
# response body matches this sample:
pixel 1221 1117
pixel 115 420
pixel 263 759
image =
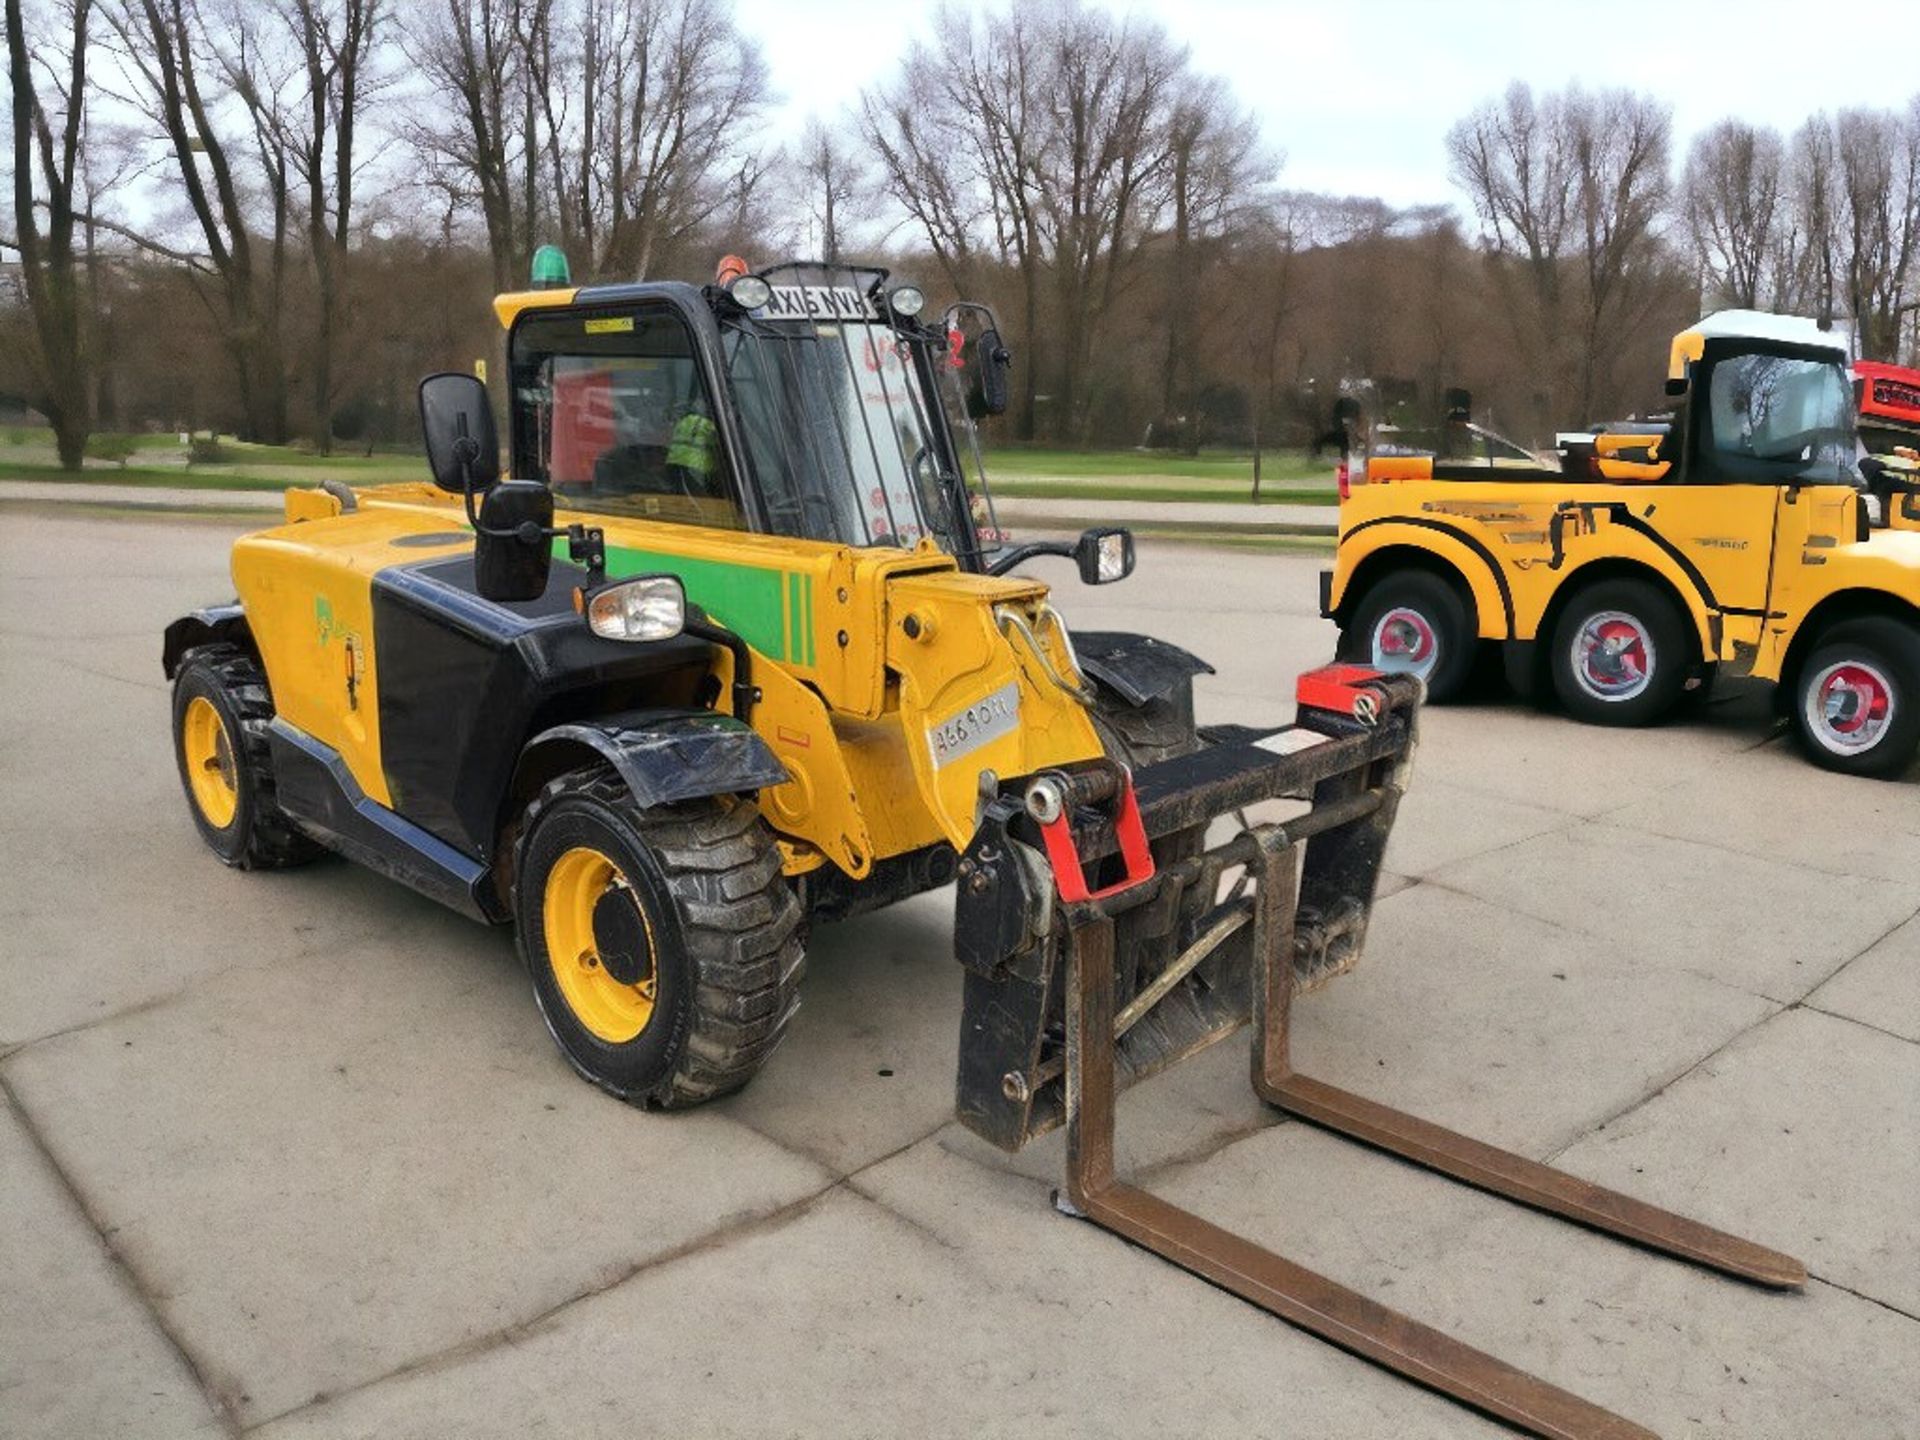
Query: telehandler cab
pixel 1739 539
pixel 728 655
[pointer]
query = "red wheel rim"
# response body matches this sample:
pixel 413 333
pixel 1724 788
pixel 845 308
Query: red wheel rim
pixel 1404 642
pixel 1613 656
pixel 1849 706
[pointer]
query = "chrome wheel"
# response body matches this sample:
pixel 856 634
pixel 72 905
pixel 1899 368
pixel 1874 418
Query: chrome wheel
pixel 1849 707
pixel 1404 643
pixel 1613 656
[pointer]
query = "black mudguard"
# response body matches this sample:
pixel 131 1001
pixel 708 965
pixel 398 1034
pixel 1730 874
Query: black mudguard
pixel 206 626
pixel 662 756
pixel 1137 668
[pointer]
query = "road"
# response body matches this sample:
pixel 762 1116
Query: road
pixel 291 1154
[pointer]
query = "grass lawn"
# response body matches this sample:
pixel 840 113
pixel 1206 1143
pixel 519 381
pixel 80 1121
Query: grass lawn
pixel 1016 472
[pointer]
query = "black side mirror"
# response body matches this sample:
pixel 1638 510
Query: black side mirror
pixel 990 393
pixel 1104 555
pixel 514 551
pixel 463 449
pixel 1676 387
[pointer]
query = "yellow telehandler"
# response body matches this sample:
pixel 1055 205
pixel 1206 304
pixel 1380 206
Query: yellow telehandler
pixel 728 655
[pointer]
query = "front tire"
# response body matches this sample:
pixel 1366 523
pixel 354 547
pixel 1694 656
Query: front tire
pixel 221 711
pixel 663 945
pixel 1857 698
pixel 1620 654
pixel 1415 623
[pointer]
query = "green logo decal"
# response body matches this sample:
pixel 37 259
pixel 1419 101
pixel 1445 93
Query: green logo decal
pixel 323 618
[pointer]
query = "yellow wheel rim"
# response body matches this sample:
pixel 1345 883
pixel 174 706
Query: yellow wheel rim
pixel 208 753
pixel 580 883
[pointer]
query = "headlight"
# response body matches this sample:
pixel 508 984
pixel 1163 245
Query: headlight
pixel 649 607
pixel 906 301
pixel 750 292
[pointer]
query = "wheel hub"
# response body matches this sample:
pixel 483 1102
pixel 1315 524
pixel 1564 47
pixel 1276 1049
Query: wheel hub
pixel 1851 705
pixel 620 936
pixel 1404 641
pixel 1613 656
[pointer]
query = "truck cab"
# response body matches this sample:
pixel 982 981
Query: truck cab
pixel 1733 540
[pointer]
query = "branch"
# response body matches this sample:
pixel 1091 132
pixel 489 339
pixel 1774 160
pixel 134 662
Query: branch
pixel 179 257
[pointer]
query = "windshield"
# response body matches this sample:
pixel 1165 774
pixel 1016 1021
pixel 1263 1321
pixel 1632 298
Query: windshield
pixel 842 416
pixel 1775 416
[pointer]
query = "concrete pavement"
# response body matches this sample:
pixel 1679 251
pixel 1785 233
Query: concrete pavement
pixel 292 1154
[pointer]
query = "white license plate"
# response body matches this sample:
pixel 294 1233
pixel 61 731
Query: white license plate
pixel 982 722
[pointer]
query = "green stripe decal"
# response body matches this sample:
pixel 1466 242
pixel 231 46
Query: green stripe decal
pixel 747 599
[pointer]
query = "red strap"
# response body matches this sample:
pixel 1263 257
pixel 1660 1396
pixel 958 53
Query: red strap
pixel 1068 875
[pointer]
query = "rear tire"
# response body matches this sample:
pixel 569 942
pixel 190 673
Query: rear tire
pixel 664 944
pixel 1856 702
pixel 221 710
pixel 1620 654
pixel 1415 622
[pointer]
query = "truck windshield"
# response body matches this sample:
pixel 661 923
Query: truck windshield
pixel 1779 416
pixel 845 418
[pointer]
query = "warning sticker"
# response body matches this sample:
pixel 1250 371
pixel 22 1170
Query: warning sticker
pixel 1291 741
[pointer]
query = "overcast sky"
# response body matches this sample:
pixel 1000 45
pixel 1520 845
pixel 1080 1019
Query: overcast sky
pixel 1360 94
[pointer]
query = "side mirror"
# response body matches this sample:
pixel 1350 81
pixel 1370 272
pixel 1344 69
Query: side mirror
pixel 1676 388
pixel 463 449
pixel 513 553
pixel 1104 556
pixel 995 365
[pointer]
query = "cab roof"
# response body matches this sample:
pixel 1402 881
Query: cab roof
pixel 1761 325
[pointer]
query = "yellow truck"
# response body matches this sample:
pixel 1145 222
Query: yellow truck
pixel 1735 540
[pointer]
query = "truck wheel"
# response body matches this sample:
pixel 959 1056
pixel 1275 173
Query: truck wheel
pixel 1619 654
pixel 1857 700
pixel 1414 623
pixel 663 944
pixel 220 714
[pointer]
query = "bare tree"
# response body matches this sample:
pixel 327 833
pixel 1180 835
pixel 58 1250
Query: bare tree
pixel 1879 220
pixel 1621 144
pixel 835 188
pixel 162 44
pixel 617 127
pixel 1732 195
pixel 334 40
pixel 1570 185
pixel 47 256
pixel 474 57
pixel 1215 169
pixel 1040 136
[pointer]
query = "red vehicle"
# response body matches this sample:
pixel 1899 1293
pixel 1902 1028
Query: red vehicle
pixel 1888 398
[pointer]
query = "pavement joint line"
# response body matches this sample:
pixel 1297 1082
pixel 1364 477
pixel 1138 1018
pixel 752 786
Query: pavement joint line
pixel 1854 1019
pixel 187 988
pixel 506 1335
pixel 123 1267
pixel 1654 1094
pixel 1862 1295
pixel 773 1220
pixel 1735 851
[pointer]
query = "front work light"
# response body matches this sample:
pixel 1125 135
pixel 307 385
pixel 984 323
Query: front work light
pixel 550 270
pixel 906 301
pixel 647 607
pixel 750 292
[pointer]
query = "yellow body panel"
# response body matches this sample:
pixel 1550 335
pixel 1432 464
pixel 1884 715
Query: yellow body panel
pixel 1747 563
pixel 854 708
pixel 308 591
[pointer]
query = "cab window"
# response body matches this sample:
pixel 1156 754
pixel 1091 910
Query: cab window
pixel 610 409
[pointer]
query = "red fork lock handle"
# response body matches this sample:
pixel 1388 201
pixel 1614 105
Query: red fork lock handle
pixel 1070 877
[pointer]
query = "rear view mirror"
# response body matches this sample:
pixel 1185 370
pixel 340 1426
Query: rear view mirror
pixel 1104 556
pixel 513 554
pixel 456 420
pixel 995 363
